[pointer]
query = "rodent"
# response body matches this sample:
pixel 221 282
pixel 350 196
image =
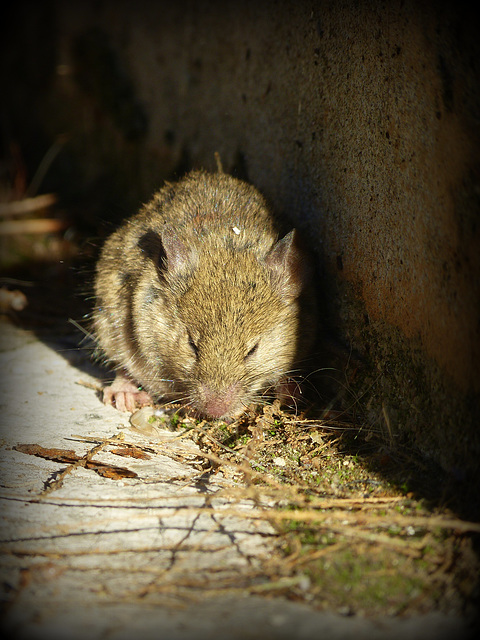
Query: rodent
pixel 199 299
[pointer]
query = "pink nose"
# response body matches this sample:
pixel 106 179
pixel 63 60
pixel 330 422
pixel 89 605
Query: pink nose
pixel 218 403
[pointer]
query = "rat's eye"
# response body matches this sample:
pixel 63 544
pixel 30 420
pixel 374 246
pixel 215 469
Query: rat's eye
pixel 253 350
pixel 192 344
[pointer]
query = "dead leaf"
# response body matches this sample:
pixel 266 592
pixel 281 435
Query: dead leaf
pixel 132 452
pixel 67 455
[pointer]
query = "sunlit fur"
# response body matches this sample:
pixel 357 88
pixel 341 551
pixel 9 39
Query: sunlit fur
pixel 192 310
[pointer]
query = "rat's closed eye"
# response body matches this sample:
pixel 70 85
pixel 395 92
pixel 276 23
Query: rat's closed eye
pixel 193 345
pixel 252 351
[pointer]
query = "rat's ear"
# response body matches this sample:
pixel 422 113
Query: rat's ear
pixel 289 266
pixel 177 256
pixel 167 251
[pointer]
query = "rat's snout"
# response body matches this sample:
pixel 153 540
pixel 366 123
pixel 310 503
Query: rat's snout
pixel 218 403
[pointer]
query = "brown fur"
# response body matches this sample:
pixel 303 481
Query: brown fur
pixel 199 300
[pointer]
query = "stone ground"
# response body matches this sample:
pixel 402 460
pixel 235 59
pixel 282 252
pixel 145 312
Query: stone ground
pixel 107 532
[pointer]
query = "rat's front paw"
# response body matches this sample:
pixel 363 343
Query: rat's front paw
pixel 125 395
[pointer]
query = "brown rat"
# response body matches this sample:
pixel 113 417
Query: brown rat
pixel 199 300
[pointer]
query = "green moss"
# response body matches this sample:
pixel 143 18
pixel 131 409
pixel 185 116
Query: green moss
pixel 372 580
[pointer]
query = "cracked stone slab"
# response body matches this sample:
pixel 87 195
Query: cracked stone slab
pixel 122 556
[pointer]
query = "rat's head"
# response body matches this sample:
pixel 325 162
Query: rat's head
pixel 223 324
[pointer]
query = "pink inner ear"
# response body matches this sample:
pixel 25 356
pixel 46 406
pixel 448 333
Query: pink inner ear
pixel 288 265
pixel 178 254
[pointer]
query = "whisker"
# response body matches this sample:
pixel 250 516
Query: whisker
pixel 87 334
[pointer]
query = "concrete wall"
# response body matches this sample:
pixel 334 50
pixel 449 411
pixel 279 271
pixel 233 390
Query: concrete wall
pixel 359 120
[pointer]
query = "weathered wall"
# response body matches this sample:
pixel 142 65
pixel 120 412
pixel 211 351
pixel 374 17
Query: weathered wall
pixel 359 120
